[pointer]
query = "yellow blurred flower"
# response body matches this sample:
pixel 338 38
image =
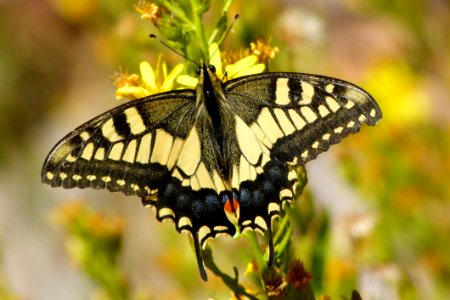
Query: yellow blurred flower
pixel 245 66
pixel 399 93
pixel 148 83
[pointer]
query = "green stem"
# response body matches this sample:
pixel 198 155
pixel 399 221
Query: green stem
pixel 179 13
pixel 256 250
pixel 198 28
pixel 232 283
pixel 220 29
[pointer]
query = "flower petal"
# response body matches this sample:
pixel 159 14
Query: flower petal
pixel 256 69
pixel 168 82
pixel 148 76
pixel 187 80
pixel 241 65
pixel 131 92
pixel 215 58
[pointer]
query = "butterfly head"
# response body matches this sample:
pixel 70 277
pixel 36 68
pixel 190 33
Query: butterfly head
pixel 205 68
pixel 209 87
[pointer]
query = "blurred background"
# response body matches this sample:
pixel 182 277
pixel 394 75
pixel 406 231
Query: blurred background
pixel 385 191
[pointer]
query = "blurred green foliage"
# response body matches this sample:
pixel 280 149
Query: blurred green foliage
pixel 94 241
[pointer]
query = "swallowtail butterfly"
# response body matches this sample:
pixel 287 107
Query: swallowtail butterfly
pixel 217 157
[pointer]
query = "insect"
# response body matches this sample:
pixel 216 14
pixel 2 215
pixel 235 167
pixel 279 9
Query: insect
pixel 216 158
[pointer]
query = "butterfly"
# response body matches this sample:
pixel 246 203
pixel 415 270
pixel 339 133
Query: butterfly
pixel 216 158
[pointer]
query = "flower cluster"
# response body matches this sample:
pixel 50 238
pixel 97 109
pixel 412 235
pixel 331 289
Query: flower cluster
pixel 150 81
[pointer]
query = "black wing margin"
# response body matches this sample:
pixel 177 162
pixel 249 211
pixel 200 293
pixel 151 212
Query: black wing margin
pixel 130 148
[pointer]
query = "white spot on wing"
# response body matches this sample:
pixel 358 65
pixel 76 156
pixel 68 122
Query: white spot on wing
pixel 100 154
pixel 269 126
pixel 204 178
pixel 309 115
pixel 109 131
pixel 307 93
pixel 85 135
pixel 304 154
pixel 273 208
pixel 323 111
pixel 292 175
pixel 175 152
pixel 284 122
pixel 248 143
pixel 260 222
pixel 144 149
pixel 338 129
pixel 177 175
pixel 329 88
pixel 298 121
pixel 332 103
pixel 71 158
pixel 166 212
pixel 130 152
pixel 190 155
pixel 161 150
pixel 362 118
pixel 218 182
pixel 244 169
pixel 134 119
pixel 184 222
pixel 282 92
pixel 349 104
pixel 203 232
pixel 261 135
pixel 286 194
pixel 116 151
pixel 88 151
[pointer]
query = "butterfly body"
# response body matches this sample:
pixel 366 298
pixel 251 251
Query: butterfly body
pixel 216 158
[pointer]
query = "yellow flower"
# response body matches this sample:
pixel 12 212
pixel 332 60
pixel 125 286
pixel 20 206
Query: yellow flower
pixel 245 66
pixel 150 82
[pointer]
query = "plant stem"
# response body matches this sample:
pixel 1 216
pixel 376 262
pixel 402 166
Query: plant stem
pixel 198 29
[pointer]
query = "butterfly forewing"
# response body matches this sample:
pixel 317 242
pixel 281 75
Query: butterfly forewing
pixel 297 116
pixel 126 149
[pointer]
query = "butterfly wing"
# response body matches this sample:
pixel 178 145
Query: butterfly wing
pixel 287 119
pixel 152 148
pixel 128 149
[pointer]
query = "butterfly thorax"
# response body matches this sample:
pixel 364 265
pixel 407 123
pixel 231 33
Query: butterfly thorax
pixel 214 116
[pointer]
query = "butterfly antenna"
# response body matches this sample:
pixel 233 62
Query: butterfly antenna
pixel 152 36
pixel 226 34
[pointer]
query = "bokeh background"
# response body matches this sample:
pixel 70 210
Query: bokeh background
pixel 386 190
